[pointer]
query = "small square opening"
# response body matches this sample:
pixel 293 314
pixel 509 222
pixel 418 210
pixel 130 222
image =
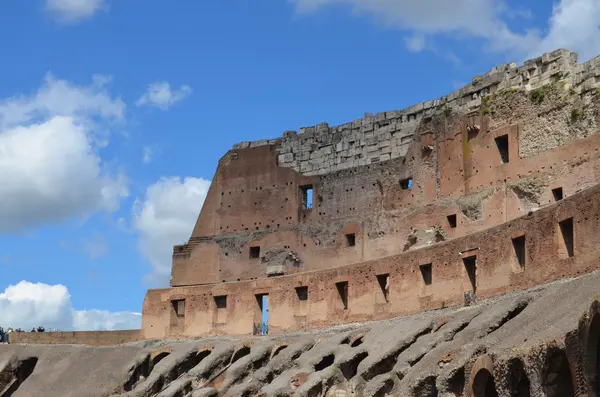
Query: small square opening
pixel 351 239
pixel 518 244
pixel 342 288
pixel 384 284
pixel 427 273
pixel 502 145
pixel 254 252
pixel 221 302
pixel 557 193
pixel 452 220
pixel 306 193
pixel 567 246
pixel 302 293
pixel 406 184
pixel 471 269
pixel 179 307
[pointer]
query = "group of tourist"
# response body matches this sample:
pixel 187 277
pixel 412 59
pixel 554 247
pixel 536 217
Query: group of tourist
pixel 4 335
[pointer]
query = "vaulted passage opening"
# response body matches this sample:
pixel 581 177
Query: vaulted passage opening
pixel 456 384
pixel 484 385
pixel 593 355
pixel 241 352
pixel 325 362
pixel 557 379
pixel 427 388
pixel 519 382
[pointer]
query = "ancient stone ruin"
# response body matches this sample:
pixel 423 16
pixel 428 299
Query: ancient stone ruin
pixel 447 249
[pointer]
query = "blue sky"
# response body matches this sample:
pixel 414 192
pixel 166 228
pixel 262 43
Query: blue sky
pixel 114 113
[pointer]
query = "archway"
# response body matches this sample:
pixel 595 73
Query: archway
pixel 557 379
pixel 484 385
pixel 593 350
pixel 519 382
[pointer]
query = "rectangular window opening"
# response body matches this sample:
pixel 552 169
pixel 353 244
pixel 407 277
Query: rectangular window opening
pixel 306 196
pixel 452 220
pixel 567 246
pixel 519 248
pixel 557 193
pixel 384 283
pixel 427 273
pixel 302 293
pixel 351 239
pixel 471 268
pixel 407 183
pixel 342 288
pixel 254 252
pixel 179 307
pixel 502 145
pixel 221 302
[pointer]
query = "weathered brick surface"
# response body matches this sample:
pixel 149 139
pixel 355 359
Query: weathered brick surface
pixel 92 338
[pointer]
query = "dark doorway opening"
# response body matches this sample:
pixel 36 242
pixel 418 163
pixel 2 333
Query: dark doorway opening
pixel 502 145
pixel 471 268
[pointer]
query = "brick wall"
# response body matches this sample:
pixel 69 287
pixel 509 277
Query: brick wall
pixel 92 338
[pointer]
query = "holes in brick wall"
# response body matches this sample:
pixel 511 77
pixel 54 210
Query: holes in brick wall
pixel 452 220
pixel 221 302
pixel 426 273
pixel 302 293
pixel 342 289
pixel 406 183
pixel 566 243
pixel 502 145
pixel 470 264
pixel 519 257
pixel 254 252
pixel 384 284
pixel 351 239
pixel 557 194
pixel 179 307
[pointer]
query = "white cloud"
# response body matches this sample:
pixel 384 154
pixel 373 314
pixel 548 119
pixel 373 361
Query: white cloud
pixel 27 305
pixel 149 152
pixel 74 10
pixel 477 18
pixel 166 217
pixel 49 166
pixel 574 24
pixel 415 43
pixel 160 95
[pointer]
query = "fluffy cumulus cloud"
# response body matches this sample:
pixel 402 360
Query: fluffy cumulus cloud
pixel 574 24
pixel 50 168
pixel 27 305
pixel 166 217
pixel 74 10
pixel 161 95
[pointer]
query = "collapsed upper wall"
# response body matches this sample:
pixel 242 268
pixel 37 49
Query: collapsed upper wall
pixel 322 149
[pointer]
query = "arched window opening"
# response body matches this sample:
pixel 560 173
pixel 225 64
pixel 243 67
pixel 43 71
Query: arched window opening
pixel 557 379
pixel 519 382
pixel 484 385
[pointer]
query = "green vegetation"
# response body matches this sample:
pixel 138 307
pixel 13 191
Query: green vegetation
pixel 536 96
pixel 577 114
